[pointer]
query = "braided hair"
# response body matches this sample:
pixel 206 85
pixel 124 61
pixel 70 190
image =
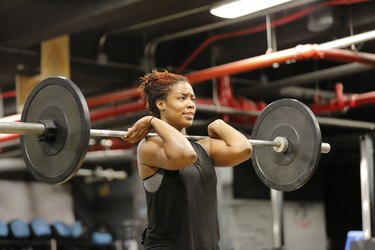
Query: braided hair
pixel 156 86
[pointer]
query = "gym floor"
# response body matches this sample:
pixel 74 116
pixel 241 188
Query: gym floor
pixel 105 46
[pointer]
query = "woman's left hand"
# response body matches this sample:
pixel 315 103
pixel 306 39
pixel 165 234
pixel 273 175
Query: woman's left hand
pixel 139 130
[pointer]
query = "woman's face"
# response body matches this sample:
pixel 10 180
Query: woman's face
pixel 178 109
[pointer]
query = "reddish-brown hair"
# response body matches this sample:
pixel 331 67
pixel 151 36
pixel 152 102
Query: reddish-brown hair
pixel 156 85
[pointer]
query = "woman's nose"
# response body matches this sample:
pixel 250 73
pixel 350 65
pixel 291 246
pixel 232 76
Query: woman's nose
pixel 191 103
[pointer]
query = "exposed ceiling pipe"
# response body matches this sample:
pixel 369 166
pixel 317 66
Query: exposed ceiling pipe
pixel 151 46
pixel 8 94
pixel 320 75
pixel 305 93
pixel 344 103
pixel 299 53
pixel 111 97
pixel 138 105
pixel 281 21
pixel 117 110
pixel 345 123
pixel 205 105
pixel 8 137
pixel 350 40
pixel 103 39
pixel 95 115
pixel 121 95
pixel 360 99
pixel 205 108
pixel 324 74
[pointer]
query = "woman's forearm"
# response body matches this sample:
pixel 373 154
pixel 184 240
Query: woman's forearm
pixel 221 130
pixel 175 144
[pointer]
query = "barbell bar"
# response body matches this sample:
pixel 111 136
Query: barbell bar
pixel 276 144
pixel 55 131
pixel 39 129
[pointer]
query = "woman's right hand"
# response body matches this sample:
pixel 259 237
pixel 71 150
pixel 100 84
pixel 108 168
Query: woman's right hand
pixel 139 130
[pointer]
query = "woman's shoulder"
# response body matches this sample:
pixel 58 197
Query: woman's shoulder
pixel 149 142
pixel 206 144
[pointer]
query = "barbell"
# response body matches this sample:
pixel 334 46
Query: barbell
pixel 55 132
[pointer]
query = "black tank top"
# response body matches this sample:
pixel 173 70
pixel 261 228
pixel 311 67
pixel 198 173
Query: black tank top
pixel 182 213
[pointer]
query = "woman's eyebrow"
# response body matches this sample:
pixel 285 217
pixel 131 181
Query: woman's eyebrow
pixel 186 93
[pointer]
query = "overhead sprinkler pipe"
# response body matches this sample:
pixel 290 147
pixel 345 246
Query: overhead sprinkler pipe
pixel 278 22
pixel 299 53
pixel 344 103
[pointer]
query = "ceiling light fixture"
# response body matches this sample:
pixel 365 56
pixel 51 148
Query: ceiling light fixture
pixel 239 8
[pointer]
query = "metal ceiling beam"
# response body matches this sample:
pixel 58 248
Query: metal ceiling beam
pixel 320 75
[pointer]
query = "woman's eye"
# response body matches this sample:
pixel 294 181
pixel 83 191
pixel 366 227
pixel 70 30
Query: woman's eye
pixel 181 98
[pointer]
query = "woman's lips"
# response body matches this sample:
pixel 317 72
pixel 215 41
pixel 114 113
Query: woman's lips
pixel 189 115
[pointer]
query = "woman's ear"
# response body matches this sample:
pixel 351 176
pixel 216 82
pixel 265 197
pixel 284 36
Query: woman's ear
pixel 160 104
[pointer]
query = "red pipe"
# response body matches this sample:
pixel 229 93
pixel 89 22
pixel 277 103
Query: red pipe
pixel 205 101
pixel 279 22
pixel 299 53
pixel 282 21
pixel 8 94
pixel 94 115
pixel 8 137
pixel 224 91
pixel 111 97
pixel 117 110
pixel 344 102
pixel 341 55
pixel 92 101
pixel 11 118
pixel 340 103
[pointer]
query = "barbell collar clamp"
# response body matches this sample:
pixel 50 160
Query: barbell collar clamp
pixel 283 144
pixel 50 131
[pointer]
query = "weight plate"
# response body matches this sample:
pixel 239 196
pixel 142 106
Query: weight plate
pixel 290 170
pixel 60 100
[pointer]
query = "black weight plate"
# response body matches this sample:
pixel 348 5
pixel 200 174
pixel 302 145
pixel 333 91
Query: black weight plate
pixel 60 100
pixel 290 170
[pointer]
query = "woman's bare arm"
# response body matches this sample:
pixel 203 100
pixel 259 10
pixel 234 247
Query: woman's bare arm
pixel 227 146
pixel 171 150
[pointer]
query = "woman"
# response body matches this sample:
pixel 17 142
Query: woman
pixel 178 175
